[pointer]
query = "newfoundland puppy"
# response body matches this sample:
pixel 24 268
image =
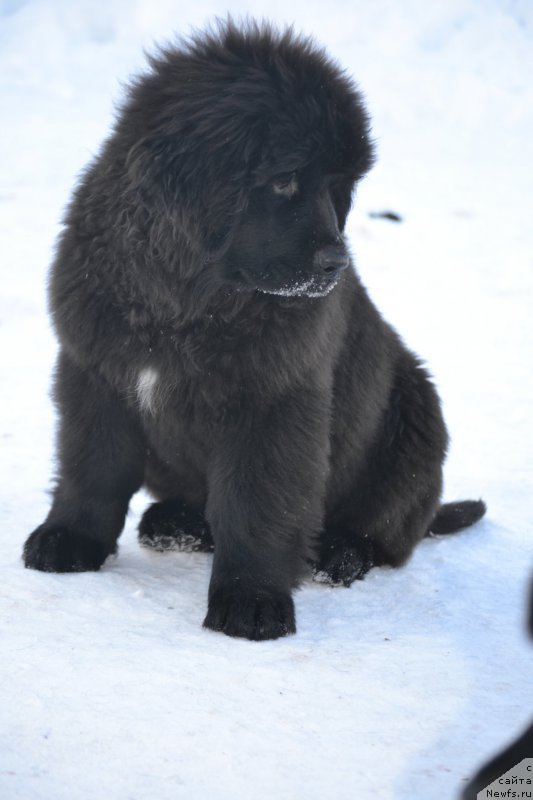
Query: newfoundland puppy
pixel 218 347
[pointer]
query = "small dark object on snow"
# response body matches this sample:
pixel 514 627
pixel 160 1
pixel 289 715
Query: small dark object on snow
pixel 390 215
pixel 218 347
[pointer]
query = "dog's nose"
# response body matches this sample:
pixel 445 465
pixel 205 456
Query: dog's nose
pixel 332 258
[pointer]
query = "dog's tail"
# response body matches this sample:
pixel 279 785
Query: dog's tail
pixel 453 517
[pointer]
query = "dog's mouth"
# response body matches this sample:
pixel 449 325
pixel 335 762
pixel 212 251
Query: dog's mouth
pixel 276 281
pixel 312 287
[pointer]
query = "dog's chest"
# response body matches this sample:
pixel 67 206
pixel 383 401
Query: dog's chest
pixel 209 370
pixel 188 385
pixel 147 389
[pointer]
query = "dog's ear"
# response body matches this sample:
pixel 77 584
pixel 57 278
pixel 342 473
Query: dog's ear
pixel 196 151
pixel 202 190
pixel 355 148
pixel 342 198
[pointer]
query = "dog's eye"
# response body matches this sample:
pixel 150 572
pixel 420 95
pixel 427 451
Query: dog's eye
pixel 285 185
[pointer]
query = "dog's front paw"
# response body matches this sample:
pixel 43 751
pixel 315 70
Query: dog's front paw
pixel 251 615
pixel 54 548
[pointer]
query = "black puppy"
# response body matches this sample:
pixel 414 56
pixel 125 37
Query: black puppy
pixel 218 347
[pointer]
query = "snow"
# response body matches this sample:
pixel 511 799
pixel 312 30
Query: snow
pixel 401 685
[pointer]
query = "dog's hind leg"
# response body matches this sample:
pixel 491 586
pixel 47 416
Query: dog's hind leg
pixel 349 550
pixel 394 501
pixel 396 490
pixel 173 525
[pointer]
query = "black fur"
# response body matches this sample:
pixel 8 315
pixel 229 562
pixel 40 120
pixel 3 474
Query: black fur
pixel 172 525
pixel 452 517
pixel 215 346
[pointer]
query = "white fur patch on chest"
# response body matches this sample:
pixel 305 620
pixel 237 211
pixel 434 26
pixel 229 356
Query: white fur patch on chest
pixel 147 388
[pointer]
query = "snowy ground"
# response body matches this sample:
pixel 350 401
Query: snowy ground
pixel 399 686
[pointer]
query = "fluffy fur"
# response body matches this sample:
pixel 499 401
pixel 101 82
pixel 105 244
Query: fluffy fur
pixel 218 347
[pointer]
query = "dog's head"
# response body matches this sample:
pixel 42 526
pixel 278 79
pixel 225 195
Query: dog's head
pixel 252 142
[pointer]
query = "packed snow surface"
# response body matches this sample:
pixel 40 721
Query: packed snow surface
pixel 399 686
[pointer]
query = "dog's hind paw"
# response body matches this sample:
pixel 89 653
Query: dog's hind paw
pixel 172 525
pixel 342 563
